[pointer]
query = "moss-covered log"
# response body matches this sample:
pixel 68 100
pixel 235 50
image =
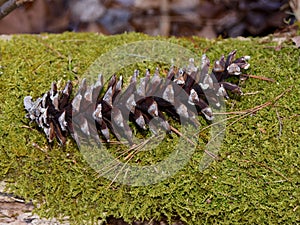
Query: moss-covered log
pixel 255 180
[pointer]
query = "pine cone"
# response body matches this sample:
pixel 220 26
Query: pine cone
pixel 151 99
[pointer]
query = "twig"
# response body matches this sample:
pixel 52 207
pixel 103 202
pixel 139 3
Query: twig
pixel 136 148
pixel 259 77
pixel 251 93
pixel 267 167
pixel 280 123
pixel 115 162
pixel 181 135
pixel 226 195
pixel 259 107
pixel 28 127
pixel 191 142
pixel 221 121
pixel 294 209
pixel 41 64
pixel 276 181
pixel 8 6
pixel 38 147
pixel 250 111
pixel 2 2
pixel 124 165
pixel 60 55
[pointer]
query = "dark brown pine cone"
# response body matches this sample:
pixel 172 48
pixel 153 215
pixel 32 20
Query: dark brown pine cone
pixel 150 99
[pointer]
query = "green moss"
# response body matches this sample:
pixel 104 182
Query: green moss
pixel 256 179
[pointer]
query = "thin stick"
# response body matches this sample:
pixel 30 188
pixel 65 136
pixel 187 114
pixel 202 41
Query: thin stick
pixel 191 142
pixel 2 2
pixel 259 107
pixel 226 195
pixel 38 147
pixel 137 147
pixel 221 121
pixel 251 93
pixel 259 77
pixel 181 135
pixel 27 127
pixel 10 5
pixel 280 123
pixel 115 162
pixel 60 55
pixel 125 164
pixel 268 167
pixel 223 130
pixel 253 110
pixel 129 157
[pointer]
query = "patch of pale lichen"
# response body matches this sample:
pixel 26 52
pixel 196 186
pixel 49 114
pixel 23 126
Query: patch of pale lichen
pixel 255 180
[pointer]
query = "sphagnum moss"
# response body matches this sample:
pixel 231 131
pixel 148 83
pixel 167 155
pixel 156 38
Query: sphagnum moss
pixel 256 179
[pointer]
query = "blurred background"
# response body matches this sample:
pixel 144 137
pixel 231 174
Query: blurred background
pixel 226 18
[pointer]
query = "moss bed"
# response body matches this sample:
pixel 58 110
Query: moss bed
pixel 255 181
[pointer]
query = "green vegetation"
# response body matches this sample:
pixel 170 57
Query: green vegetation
pixel 256 179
